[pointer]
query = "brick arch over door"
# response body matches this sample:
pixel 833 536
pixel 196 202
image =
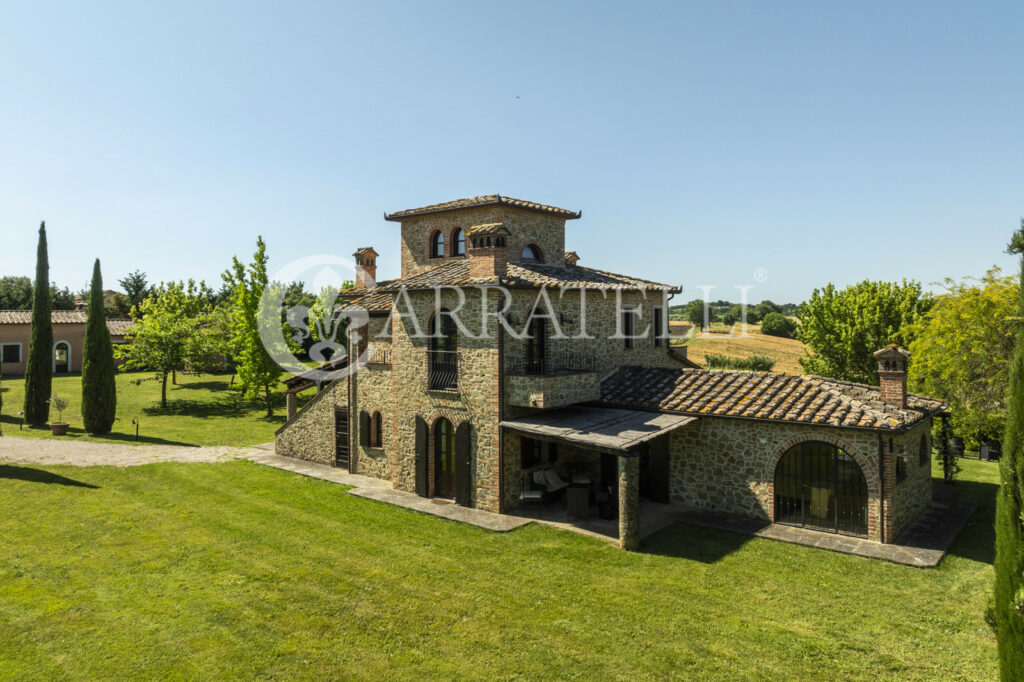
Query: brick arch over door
pixel 867 467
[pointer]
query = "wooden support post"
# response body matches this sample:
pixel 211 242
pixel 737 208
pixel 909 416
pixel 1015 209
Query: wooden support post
pixel 293 404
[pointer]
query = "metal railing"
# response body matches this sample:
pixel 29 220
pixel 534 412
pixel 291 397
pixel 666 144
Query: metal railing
pixel 564 362
pixel 442 370
pixel 380 356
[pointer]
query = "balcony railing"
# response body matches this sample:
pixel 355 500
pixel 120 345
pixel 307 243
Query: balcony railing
pixel 443 370
pixel 565 362
pixel 379 356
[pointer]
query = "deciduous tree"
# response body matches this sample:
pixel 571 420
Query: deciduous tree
pixel 961 352
pixel 844 327
pixel 99 391
pixel 172 330
pixel 258 374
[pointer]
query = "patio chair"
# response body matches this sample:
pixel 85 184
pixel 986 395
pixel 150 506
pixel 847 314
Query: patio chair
pixel 530 493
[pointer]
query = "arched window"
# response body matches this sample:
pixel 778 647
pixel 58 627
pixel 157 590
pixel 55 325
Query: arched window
pixel 458 242
pixel 376 431
pixel 924 454
pixel 819 486
pixel 444 346
pixel 437 245
pixel 444 458
pixel 531 253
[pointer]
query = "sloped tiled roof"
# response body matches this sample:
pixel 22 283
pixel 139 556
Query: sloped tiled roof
pixel 376 299
pixel 801 399
pixel 526 275
pixel 484 200
pixel 116 326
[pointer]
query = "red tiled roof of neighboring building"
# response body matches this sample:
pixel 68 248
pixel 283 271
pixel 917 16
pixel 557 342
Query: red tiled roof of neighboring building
pixel 801 399
pixel 484 200
pixel 115 325
pixel 526 275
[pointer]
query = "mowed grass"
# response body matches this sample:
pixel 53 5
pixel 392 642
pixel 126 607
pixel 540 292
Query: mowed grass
pixel 201 410
pixel 785 352
pixel 173 571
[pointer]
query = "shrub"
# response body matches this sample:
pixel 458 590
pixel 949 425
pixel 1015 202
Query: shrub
pixel 756 363
pixel 777 324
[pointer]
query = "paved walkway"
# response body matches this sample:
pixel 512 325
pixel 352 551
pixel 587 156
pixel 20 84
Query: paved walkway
pixel 17 450
pixel 382 491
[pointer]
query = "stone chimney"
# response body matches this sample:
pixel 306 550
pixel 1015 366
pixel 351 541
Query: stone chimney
pixel 366 267
pixel 571 258
pixel 892 374
pixel 488 250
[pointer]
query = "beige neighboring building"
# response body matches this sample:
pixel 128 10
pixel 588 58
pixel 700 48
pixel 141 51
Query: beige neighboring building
pixel 68 339
pixel 569 410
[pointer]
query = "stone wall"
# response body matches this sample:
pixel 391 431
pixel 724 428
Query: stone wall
pixel 310 434
pixel 400 393
pixel 599 323
pixel 526 227
pixel 559 390
pixel 728 466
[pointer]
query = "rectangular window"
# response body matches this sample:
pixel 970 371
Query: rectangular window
pixel 11 352
pixel 659 324
pixel 531 452
pixel 901 468
pixel 629 327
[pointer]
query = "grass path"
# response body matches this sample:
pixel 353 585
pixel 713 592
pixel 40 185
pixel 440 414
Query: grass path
pixel 233 570
pixel 201 410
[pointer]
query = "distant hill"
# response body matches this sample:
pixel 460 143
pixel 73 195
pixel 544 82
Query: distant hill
pixel 785 352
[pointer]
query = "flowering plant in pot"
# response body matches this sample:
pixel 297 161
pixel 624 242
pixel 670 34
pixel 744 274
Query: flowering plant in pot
pixel 59 427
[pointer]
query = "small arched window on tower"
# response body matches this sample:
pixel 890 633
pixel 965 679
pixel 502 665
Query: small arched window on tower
pixel 458 242
pixel 437 245
pixel 531 254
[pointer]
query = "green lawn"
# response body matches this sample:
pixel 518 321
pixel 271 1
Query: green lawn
pixel 201 410
pixel 234 570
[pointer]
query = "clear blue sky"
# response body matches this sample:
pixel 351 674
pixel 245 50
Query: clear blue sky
pixel 820 141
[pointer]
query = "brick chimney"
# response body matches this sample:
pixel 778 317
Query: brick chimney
pixel 488 250
pixel 366 267
pixel 571 258
pixel 892 374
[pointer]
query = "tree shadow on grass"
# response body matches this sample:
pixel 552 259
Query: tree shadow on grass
pixel 31 475
pixel 221 407
pixel 10 427
pixel 698 543
pixel 977 539
pixel 216 385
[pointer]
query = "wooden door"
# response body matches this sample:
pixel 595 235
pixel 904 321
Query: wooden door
pixel 444 459
pixel 341 458
pixel 463 465
pixel 422 440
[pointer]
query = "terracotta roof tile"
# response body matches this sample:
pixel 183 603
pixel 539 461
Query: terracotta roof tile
pixel 115 325
pixel 484 200
pixel 526 275
pixel 762 395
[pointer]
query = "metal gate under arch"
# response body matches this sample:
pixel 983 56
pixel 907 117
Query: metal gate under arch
pixel 819 486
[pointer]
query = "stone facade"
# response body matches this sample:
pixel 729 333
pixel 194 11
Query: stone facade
pixel 309 435
pixel 557 390
pixel 526 227
pixel 716 464
pixel 727 466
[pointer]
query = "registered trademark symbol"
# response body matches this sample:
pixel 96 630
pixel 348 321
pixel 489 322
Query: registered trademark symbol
pixel 760 275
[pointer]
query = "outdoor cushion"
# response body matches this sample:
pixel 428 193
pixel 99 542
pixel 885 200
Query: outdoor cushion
pixel 553 480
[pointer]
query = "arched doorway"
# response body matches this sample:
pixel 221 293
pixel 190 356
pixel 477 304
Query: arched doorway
pixel 444 459
pixel 819 486
pixel 61 357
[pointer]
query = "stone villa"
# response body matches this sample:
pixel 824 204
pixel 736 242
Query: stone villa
pixel 572 390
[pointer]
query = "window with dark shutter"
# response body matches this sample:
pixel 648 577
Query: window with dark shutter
pixel 628 327
pixel 11 352
pixel 364 429
pixel 924 456
pixel 659 323
pixel 377 431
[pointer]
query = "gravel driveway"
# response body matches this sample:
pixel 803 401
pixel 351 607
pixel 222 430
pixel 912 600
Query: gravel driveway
pixel 15 450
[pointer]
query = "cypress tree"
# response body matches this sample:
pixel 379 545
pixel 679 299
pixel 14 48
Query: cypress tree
pixel 1009 564
pixel 39 364
pixel 99 394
